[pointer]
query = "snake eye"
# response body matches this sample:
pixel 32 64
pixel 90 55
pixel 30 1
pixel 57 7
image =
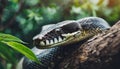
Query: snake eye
pixel 71 27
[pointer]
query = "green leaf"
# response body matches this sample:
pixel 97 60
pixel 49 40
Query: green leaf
pixel 22 49
pixel 6 53
pixel 7 37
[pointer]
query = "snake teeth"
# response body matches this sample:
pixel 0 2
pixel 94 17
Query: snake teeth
pixel 52 41
pixel 59 38
pixel 42 43
pixel 55 40
pixel 47 42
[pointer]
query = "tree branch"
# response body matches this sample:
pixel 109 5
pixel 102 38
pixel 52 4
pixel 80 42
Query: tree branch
pixel 97 53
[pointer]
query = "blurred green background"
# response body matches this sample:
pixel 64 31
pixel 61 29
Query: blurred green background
pixel 24 18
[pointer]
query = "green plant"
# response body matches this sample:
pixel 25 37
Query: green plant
pixel 16 44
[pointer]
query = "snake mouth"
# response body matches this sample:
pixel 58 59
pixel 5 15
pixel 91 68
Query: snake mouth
pixel 52 41
pixel 62 40
pixel 65 39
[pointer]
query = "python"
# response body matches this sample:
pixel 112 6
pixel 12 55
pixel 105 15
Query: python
pixel 57 41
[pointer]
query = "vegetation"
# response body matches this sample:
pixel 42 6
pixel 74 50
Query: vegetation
pixel 24 18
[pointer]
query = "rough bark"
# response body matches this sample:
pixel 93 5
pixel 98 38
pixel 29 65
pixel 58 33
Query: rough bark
pixel 99 52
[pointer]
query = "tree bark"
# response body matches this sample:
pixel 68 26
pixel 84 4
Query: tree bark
pixel 99 52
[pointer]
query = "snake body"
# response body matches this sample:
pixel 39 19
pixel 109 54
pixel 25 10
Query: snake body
pixel 58 41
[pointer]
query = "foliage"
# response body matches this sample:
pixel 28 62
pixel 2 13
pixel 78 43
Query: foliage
pixel 24 18
pixel 15 43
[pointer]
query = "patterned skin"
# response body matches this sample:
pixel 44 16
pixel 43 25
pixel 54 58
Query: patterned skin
pixel 58 41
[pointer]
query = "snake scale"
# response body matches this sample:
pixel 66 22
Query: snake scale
pixel 57 41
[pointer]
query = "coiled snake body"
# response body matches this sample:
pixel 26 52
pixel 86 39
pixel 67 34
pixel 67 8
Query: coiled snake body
pixel 58 41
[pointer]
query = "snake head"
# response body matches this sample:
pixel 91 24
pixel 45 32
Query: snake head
pixel 70 31
pixel 59 34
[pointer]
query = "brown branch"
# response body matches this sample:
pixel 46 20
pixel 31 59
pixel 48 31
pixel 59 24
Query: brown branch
pixel 96 53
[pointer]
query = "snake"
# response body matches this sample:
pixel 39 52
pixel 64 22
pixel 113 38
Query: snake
pixel 58 41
